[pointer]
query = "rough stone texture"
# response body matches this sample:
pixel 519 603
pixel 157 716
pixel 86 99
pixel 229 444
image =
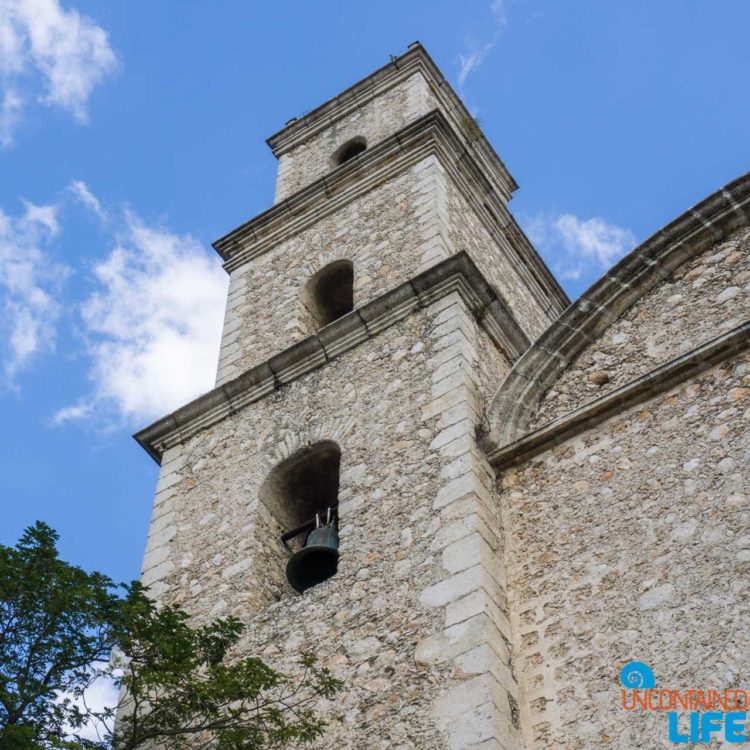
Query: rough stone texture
pixel 382 233
pixel 490 369
pixel 707 296
pixel 630 542
pixel 374 121
pixel 418 631
pixel 390 234
pixel 466 232
pixel 469 610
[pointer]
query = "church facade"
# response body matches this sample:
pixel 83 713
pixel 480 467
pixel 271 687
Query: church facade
pixel 528 494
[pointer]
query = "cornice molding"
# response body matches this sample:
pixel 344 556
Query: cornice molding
pixel 708 222
pixel 638 391
pixel 432 134
pixel 456 274
pixel 414 60
pixel 333 191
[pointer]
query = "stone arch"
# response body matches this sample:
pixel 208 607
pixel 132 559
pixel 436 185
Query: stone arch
pixel 329 293
pixel 301 437
pixel 348 150
pixel 300 484
pixel 652 263
pixel 303 483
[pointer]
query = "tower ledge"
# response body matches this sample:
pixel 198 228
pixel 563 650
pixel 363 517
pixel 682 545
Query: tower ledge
pixel 456 274
pixel 431 134
pixel 414 60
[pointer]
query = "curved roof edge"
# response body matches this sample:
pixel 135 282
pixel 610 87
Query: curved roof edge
pixel 591 314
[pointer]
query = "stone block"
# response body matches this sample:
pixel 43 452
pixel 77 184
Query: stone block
pixel 161 535
pixel 449 434
pixel 463 554
pixel 155 556
pixel 459 487
pixel 452 588
pixel 157 572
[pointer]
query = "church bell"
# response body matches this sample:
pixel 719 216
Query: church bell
pixel 317 561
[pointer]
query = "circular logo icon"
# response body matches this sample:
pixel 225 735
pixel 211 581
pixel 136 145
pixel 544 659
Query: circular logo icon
pixel 637 676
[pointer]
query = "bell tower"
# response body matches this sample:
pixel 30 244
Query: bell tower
pixel 372 312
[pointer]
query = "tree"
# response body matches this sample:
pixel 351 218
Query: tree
pixel 54 622
pixel 182 690
pixel 62 630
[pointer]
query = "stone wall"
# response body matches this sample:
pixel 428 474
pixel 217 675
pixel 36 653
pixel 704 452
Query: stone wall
pixel 374 121
pixel 705 297
pixel 630 543
pixel 395 231
pixel 415 622
pixel 467 232
pixel 384 233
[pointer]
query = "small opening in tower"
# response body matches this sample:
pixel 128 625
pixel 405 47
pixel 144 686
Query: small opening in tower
pixel 301 494
pixel 305 483
pixel 329 294
pixel 349 150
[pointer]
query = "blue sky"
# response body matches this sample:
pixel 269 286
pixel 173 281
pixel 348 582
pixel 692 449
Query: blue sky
pixel 133 134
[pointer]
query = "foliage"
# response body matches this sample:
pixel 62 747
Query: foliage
pixel 54 623
pixel 62 630
pixel 181 686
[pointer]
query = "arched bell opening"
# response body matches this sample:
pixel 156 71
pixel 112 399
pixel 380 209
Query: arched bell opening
pixel 301 494
pixel 348 151
pixel 329 294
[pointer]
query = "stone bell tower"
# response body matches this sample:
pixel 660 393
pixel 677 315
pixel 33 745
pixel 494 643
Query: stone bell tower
pixel 372 312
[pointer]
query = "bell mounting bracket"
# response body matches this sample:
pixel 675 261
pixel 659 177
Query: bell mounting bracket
pixel 324 517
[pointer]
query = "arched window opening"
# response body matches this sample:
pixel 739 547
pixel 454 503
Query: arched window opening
pixel 302 496
pixel 349 150
pixel 330 293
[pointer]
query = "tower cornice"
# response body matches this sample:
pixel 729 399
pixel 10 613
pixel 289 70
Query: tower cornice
pixel 414 60
pixel 456 274
pixel 431 134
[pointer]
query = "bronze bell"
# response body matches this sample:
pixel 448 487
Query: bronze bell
pixel 317 561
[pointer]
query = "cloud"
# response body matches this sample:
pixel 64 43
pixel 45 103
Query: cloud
pixel 97 697
pixel 54 55
pixel 152 323
pixel 73 413
pixel 476 52
pixel 11 108
pixel 579 247
pixel 81 193
pixel 29 283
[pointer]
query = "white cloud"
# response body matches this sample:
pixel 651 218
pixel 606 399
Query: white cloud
pixel 57 56
pixel 579 247
pixel 11 108
pixel 153 324
pixel 29 281
pixel 73 413
pixel 81 193
pixel 99 695
pixel 476 52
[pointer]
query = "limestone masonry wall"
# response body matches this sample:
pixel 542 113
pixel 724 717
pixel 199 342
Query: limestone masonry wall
pixel 419 538
pixel 467 232
pixel 707 296
pixel 397 230
pixel 631 542
pixel 384 234
pixel 376 120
